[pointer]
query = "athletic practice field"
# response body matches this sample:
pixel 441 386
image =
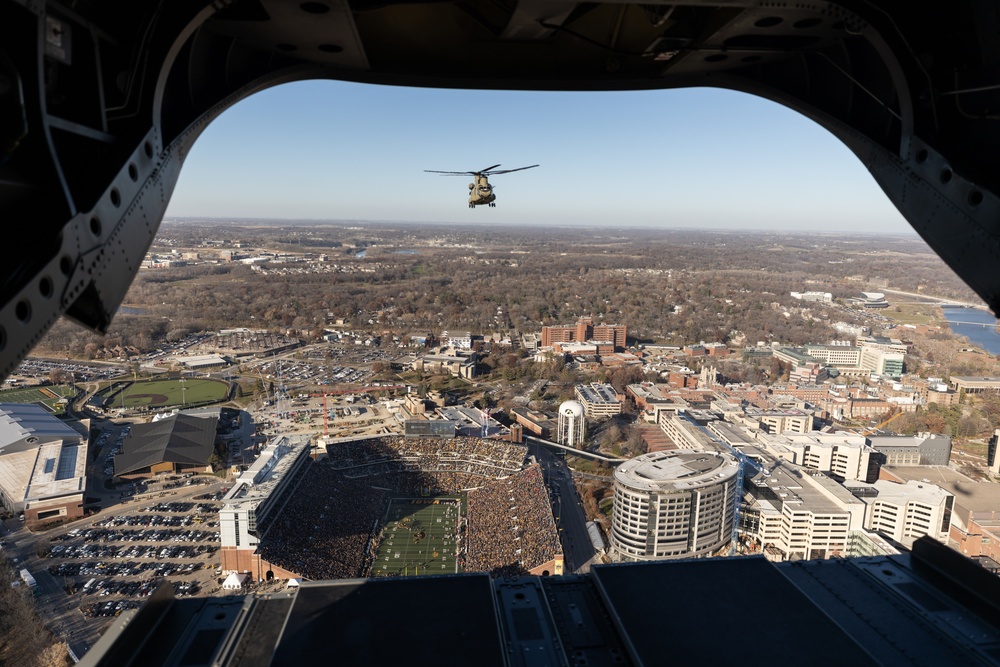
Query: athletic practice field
pixel 171 393
pixel 418 537
pixel 47 397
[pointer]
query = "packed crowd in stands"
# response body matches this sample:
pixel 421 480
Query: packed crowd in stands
pixel 331 513
pixel 510 525
pixel 477 456
pixel 326 530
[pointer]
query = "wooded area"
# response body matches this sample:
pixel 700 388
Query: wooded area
pixel 670 287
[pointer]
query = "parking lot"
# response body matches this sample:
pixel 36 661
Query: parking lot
pixel 96 568
pixel 300 373
pixel 107 453
pixel 40 368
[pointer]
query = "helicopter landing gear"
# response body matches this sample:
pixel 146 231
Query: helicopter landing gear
pixel 493 204
pixel 472 206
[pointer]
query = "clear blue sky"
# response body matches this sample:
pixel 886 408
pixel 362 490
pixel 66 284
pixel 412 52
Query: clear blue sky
pixel 680 158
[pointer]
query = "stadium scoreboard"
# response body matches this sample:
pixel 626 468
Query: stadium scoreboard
pixel 422 428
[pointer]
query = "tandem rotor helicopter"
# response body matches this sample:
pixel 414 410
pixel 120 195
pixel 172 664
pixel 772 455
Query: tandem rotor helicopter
pixel 480 191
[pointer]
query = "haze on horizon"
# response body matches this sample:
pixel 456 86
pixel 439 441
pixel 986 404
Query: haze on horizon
pixel 696 158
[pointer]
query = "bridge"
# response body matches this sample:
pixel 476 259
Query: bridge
pixel 573 451
pixel 989 325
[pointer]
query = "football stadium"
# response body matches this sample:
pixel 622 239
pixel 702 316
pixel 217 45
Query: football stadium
pixel 390 506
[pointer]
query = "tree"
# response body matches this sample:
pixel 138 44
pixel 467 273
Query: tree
pixel 54 655
pixel 58 376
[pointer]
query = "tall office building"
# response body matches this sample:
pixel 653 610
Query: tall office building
pixel 673 504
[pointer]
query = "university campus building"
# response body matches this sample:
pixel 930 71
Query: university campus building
pixel 584 330
pixel 43 465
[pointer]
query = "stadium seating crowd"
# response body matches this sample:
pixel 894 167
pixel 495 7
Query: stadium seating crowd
pixel 326 529
pixel 510 525
pixel 332 513
pixel 476 456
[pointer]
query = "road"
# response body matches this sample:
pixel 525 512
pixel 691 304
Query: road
pixel 568 510
pixel 938 300
pixel 57 610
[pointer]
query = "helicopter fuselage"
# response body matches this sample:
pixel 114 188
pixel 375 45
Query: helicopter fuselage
pixel 481 192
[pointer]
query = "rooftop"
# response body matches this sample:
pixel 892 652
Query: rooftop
pixel 970 495
pixel 266 473
pixel 597 393
pixel 676 470
pixel 815 493
pixel 24 425
pixel 180 438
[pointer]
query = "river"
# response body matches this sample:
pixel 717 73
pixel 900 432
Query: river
pixel 982 332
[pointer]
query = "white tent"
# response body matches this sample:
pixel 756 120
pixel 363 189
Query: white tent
pixel 234 581
pixel 293 583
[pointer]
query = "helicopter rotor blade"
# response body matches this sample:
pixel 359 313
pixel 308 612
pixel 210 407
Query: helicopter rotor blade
pixel 488 169
pixel 451 173
pixel 507 171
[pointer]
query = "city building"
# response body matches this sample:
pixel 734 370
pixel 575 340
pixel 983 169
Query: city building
pixel 252 504
pixel 976 384
pixel 588 349
pixel 809 373
pixel 598 400
pixel 531 341
pixel 459 341
pixel 571 425
pixel 470 422
pixel 203 361
pixel 974 521
pixel 704 349
pixel 685 432
pixel 585 330
pixel 646 394
pixel 463 366
pixel 882 360
pixel 848 356
pixel 869 300
pixel 674 505
pixel 906 512
pixel 818 297
pixel 924 449
pixel 845 456
pixel 43 465
pixel 797 514
pixel 891 344
pixel 178 443
pixel 537 422
pixel 780 420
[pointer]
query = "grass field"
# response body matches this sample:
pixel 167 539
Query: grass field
pixel 170 393
pixel 913 313
pixel 48 397
pixel 418 537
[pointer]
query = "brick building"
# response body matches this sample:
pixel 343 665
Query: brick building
pixel 584 330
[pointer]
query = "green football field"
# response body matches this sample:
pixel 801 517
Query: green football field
pixel 418 537
pixel 48 397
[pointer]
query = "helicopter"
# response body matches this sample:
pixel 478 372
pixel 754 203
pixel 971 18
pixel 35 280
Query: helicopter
pixel 480 191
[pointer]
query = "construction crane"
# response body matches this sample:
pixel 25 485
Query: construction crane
pixel 885 423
